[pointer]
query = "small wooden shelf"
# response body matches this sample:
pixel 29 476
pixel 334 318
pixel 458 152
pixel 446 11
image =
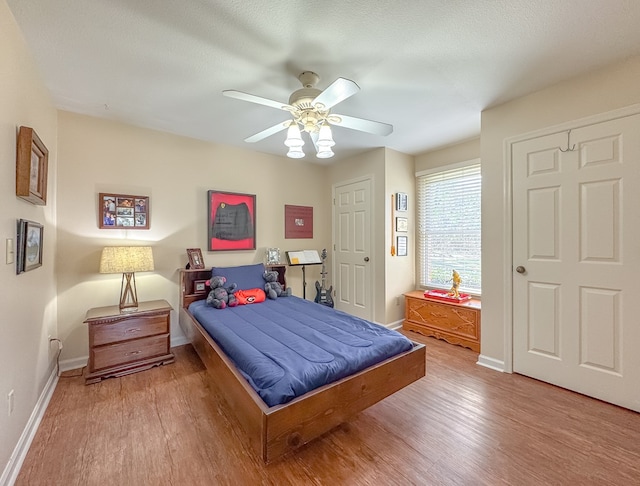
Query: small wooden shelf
pixel 456 323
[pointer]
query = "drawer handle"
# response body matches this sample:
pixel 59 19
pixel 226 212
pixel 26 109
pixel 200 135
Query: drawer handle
pixel 133 329
pixel 133 353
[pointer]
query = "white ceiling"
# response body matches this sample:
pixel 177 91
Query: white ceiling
pixel 426 67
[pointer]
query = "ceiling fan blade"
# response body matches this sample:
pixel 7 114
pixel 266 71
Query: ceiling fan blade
pixel 232 93
pixel 268 132
pixel 338 91
pixel 377 128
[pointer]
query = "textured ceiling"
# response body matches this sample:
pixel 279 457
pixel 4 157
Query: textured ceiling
pixel 426 67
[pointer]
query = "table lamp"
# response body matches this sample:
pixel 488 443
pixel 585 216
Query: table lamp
pixel 127 260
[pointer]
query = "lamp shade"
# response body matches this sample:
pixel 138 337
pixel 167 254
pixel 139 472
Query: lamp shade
pixel 126 259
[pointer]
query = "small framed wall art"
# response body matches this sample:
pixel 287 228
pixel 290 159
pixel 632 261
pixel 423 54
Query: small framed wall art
pixel 196 261
pixel 298 221
pixel 29 240
pixel 402 246
pixel 402 225
pixel 123 211
pixel 402 201
pixel 231 221
pixel 199 286
pixel 32 165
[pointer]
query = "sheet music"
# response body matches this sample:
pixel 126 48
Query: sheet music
pixel 303 257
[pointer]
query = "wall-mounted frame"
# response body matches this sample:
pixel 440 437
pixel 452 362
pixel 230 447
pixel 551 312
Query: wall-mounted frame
pixel 402 201
pixel 298 221
pixel 32 165
pixel 231 221
pixel 402 224
pixel 196 261
pixel 123 211
pixel 29 238
pixel 401 246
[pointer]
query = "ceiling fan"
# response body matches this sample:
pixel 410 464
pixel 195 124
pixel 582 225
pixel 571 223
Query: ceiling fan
pixel 310 109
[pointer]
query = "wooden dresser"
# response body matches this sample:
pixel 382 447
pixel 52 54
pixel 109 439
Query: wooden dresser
pixel 455 323
pixel 123 342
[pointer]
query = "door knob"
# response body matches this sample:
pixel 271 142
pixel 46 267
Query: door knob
pixel 366 259
pixel 520 269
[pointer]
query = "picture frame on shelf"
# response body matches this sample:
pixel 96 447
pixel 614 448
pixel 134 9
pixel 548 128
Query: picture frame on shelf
pixel 231 224
pixel 123 211
pixel 199 286
pixel 196 262
pixel 273 256
pixel 32 166
pixel 30 240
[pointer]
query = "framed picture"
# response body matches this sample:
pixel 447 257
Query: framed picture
pixel 199 286
pixel 402 246
pixel 231 221
pixel 29 240
pixel 123 211
pixel 195 258
pixel 273 256
pixel 402 201
pixel 32 164
pixel 402 224
pixel 298 221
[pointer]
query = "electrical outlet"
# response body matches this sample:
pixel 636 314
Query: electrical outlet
pixel 10 396
pixel 397 300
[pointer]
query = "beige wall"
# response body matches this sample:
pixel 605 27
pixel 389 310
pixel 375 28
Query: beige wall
pixel 399 270
pixel 28 301
pixel 176 173
pixel 597 92
pixel 452 154
pixel 390 172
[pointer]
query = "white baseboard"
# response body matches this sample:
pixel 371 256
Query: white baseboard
pixel 73 364
pixel 395 325
pixel 12 470
pixel 491 363
pixel 179 341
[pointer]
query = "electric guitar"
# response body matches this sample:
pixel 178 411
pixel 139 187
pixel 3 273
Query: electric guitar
pixel 323 295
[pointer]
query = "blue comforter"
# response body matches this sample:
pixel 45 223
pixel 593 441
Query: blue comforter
pixel 289 346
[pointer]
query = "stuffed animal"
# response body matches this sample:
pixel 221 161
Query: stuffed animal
pixel 273 288
pixel 221 296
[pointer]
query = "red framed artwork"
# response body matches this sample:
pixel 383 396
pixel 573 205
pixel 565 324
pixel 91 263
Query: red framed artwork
pixel 231 221
pixel 298 221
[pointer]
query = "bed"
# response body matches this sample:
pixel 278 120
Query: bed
pixel 274 430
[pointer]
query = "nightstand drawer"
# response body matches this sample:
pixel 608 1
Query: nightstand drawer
pixel 130 328
pixel 129 351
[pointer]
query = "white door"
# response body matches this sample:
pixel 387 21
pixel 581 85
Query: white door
pixel 352 251
pixel 576 253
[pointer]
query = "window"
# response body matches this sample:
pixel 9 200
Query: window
pixel 449 226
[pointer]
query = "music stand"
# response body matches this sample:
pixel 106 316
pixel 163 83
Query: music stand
pixel 302 258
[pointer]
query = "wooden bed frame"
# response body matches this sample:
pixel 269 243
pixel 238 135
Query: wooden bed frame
pixel 274 431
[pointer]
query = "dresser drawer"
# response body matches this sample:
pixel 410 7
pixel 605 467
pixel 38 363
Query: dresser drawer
pixel 129 351
pixel 451 319
pixel 129 328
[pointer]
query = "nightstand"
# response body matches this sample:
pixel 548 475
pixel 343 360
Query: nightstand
pixel 123 342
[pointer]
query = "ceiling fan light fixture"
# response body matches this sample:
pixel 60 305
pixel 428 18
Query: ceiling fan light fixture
pixel 325 137
pixel 295 153
pixel 324 152
pixel 294 138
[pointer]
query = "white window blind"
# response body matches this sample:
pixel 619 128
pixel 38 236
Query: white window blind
pixel 449 228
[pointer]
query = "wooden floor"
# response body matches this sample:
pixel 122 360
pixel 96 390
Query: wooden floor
pixel 461 424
